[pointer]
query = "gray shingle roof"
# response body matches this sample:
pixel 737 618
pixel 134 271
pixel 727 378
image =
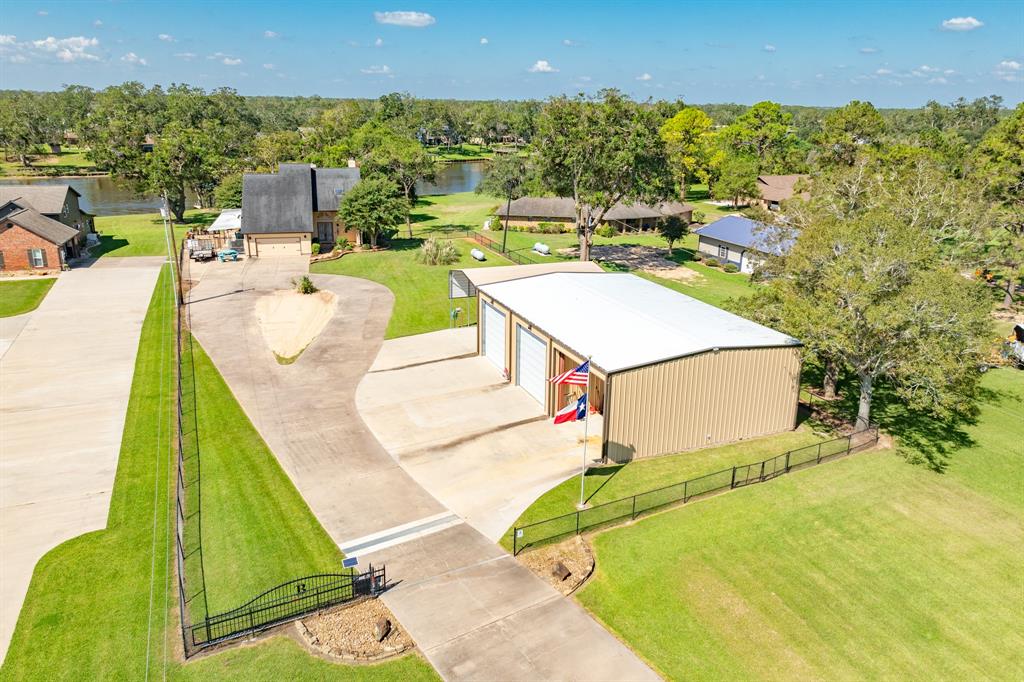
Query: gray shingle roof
pixel 36 223
pixel 285 201
pixel 564 208
pixel 47 199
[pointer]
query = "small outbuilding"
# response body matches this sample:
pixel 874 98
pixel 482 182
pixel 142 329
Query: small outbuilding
pixel 738 240
pixel 668 372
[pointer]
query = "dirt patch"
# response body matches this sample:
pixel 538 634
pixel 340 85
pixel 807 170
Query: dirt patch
pixel 647 258
pixel 348 632
pixel 290 321
pixel 574 554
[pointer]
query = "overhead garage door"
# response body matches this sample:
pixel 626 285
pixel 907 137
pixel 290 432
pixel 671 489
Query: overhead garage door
pixel 531 352
pixel 494 335
pixel 278 246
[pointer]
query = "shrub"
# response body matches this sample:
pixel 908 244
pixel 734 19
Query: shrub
pixel 316 249
pixel 730 267
pixel 605 231
pixel 698 256
pixel 438 252
pixel 699 216
pixel 711 262
pixel 304 285
pixel 342 244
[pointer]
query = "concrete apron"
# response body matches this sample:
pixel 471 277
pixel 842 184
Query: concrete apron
pixel 65 381
pixel 474 611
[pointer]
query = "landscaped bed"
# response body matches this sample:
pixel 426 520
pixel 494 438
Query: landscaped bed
pixel 21 296
pixel 866 568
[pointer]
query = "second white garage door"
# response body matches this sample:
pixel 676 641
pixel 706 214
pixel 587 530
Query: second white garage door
pixel 278 246
pixel 494 335
pixel 531 352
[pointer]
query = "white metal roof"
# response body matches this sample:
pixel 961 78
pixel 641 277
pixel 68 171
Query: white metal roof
pixel 623 321
pixel 229 219
pixel 504 273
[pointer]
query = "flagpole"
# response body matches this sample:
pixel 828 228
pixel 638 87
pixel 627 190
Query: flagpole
pixel 586 431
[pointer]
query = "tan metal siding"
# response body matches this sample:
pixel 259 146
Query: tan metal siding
pixel 701 400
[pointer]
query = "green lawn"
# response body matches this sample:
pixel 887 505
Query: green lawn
pixel 865 568
pixel 142 234
pixel 21 296
pixel 605 484
pixel 102 606
pixel 461 152
pixel 71 161
pixel 444 212
pixel 421 291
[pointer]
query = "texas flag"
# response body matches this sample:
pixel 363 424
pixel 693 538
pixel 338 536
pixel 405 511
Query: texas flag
pixel 573 412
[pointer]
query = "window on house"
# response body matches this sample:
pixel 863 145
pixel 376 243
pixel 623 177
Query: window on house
pixel 36 256
pixel 1 260
pixel 723 251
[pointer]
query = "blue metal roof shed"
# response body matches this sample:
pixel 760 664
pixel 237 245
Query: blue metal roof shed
pixel 738 231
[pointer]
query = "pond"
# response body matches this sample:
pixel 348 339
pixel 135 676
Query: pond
pixel 101 195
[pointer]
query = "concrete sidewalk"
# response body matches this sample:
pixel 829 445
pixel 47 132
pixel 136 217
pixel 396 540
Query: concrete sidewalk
pixel 64 387
pixel 475 612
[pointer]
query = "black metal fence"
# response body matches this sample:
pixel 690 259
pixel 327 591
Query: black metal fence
pixel 516 256
pixel 574 523
pixel 287 602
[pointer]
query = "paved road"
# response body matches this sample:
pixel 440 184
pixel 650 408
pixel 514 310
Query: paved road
pixel 64 386
pixel 475 612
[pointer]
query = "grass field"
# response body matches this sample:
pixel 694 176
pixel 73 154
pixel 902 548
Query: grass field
pixel 421 291
pixel 71 161
pixel 142 234
pixel 461 152
pixel 21 296
pixel 101 606
pixel 609 483
pixel 866 568
pixel 465 210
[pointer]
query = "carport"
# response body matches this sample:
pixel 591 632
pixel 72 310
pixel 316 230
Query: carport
pixel 668 372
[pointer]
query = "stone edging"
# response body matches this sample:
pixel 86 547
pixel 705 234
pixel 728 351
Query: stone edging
pixel 313 643
pixel 593 566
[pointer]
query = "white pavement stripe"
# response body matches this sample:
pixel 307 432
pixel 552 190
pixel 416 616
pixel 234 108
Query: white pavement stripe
pixel 396 535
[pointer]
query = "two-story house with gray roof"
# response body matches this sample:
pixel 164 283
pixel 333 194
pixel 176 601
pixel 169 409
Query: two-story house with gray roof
pixel 285 213
pixel 56 202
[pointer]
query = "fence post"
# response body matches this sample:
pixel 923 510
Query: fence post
pixel 686 484
pixel 762 470
pixel 819 454
pixel 787 462
pixel 633 515
pixel 733 483
pixel 577 523
pixel 515 541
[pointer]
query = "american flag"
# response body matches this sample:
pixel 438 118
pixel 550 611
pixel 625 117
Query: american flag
pixel 577 377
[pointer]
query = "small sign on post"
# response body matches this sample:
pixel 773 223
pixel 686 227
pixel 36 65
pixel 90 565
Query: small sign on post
pixel 349 562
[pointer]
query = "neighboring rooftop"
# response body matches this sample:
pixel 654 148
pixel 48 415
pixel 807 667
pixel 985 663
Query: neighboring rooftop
pixel 285 201
pixel 739 231
pixel 36 223
pixel 565 208
pixel 47 199
pixel 778 187
pixel 229 219
pixel 622 321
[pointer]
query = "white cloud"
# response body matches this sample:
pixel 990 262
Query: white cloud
pixel 413 19
pixel 132 58
pixel 42 13
pixel 378 42
pixel 868 50
pixel 768 48
pixel 882 72
pixel 586 79
pixel 186 55
pixel 484 41
pixel 230 61
pixel 938 80
pixel 378 70
pixel 7 39
pixel 68 50
pixel 542 66
pixel 166 38
pixel 961 24
pixel 570 43
pixel 644 77
pixel 1010 71
pixel 270 34
pixel 97 23
pixel 268 67
pixel 17 59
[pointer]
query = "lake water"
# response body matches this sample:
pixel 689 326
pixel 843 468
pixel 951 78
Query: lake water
pixel 102 196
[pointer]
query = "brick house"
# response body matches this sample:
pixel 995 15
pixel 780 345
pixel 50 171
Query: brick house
pixel 56 202
pixel 30 241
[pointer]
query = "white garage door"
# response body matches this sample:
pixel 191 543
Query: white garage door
pixel 278 246
pixel 530 355
pixel 494 335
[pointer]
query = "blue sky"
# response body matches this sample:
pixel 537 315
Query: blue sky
pixel 821 53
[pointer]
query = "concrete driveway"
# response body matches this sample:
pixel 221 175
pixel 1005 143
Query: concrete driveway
pixel 480 445
pixel 475 612
pixel 64 386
